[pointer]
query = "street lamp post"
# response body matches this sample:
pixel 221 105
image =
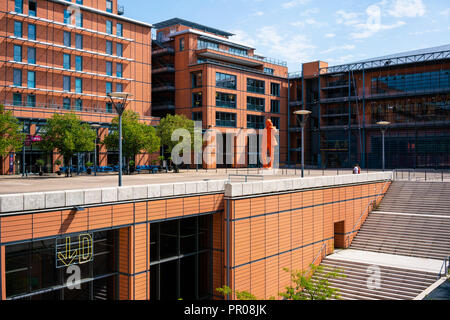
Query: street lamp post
pixel 119 100
pixel 305 114
pixel 383 125
pixel 95 126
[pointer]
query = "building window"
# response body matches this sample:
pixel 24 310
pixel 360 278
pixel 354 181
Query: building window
pixel 196 79
pixel 197 100
pixel 119 49
pixel 79 41
pixel 276 122
pixel 269 71
pixel 275 89
pixel 119 30
pixel 182 44
pixel 17 99
pixel 255 122
pixel 109 47
pixel 256 104
pixel 256 86
pixel 79 20
pixel 31 79
pixel 226 81
pixel 32 8
pixel 275 106
pixel 31 55
pixel 202 44
pixel 31 31
pixel 225 119
pixel 31 100
pixel 119 70
pixel 66 83
pixel 66 61
pixel 17 77
pixel 79 85
pixel 225 100
pixel 109 27
pixel 17 53
pixel 67 16
pixel 108 68
pixel 109 107
pixel 18 29
pixel 109 6
pixel 18 6
pixel 108 87
pixel 67 39
pixel 240 52
pixel 78 63
pixel 119 87
pixel 79 105
pixel 66 104
pixel 197 116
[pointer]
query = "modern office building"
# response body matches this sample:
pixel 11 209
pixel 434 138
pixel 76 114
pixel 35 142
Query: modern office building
pixel 61 56
pixel 409 90
pixel 198 71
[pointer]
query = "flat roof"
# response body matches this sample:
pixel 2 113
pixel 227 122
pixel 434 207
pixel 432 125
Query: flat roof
pixel 176 21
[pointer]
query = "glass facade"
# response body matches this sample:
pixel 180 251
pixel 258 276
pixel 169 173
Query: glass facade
pixel 226 81
pixel 256 104
pixel 255 122
pixel 225 119
pixel 256 86
pixel 225 100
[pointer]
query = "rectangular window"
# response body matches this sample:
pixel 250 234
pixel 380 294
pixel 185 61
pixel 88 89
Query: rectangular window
pixel 31 55
pixel 109 27
pixel 31 79
pixel 108 68
pixel 275 106
pixel 78 63
pixel 66 61
pixel 109 107
pixel 17 77
pixel 31 100
pixel 182 44
pixel 225 100
pixel 66 83
pixel 226 81
pixel 119 30
pixel 79 41
pixel 256 104
pixel 276 122
pixel 109 6
pixel 197 116
pixel 78 1
pixel 109 47
pixel 197 100
pixel 79 20
pixel 18 29
pixel 66 104
pixel 119 70
pixel 119 87
pixel 119 49
pixel 269 71
pixel 225 119
pixel 196 78
pixel 79 105
pixel 67 39
pixel 256 86
pixel 32 8
pixel 108 87
pixel 202 44
pixel 275 89
pixel 17 53
pixel 17 99
pixel 18 6
pixel 255 122
pixel 67 17
pixel 79 85
pixel 240 52
pixel 31 31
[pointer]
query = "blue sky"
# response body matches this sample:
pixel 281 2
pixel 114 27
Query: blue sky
pixel 299 31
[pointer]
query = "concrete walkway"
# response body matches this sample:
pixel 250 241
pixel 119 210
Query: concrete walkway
pixel 389 260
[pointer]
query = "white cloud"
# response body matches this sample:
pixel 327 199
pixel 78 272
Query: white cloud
pixel 330 35
pixel 294 3
pixel 407 8
pixel 347 18
pixel 339 48
pixel 309 21
pixel 243 38
pixel 310 12
pixel 446 12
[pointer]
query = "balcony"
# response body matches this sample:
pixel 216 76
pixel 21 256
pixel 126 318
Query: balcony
pixel 41 107
pixel 163 69
pixel 163 51
pixel 164 87
pixel 163 106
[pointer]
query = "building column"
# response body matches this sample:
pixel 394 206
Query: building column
pixel 125 264
pixel 2 274
pixel 103 152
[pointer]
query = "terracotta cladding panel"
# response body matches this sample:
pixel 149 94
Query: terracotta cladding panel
pixel 336 194
pixel 297 260
pixel 242 279
pixel 218 202
pixel 328 221
pixel 191 205
pixel 271 234
pixel 257 206
pixel 124 250
pixel 308 226
pixel 16 228
pixel 157 210
pixel 272 204
pixel 140 211
pixel 297 227
pixel 175 208
pixel 328 195
pixel 241 208
pixel 258 283
pixel 308 198
pixel 297 200
pixel 124 287
pixel 46 224
pixel 272 277
pixel 318 223
pixel 100 217
pixel 285 262
pixel 207 204
pixel 123 214
pixel 140 287
pixel 318 197
pixel 284 202
pixel 257 240
pixel 242 242
pixel 141 254
pixel 308 257
pixel 285 231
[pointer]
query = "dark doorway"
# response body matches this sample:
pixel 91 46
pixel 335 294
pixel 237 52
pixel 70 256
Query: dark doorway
pixel 339 234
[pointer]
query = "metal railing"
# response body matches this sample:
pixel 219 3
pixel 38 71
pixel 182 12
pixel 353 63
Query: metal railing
pixel 421 175
pixel 244 177
pixel 444 271
pixel 13 105
pixel 321 254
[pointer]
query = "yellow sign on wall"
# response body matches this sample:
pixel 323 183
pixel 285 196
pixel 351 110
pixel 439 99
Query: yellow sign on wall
pixel 74 249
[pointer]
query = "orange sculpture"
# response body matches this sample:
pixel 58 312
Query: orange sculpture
pixel 269 133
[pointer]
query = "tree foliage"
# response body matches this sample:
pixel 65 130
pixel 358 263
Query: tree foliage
pixel 137 137
pixel 171 123
pixel 68 135
pixel 11 137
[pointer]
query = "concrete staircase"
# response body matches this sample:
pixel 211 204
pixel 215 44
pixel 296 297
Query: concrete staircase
pixel 395 283
pixel 431 198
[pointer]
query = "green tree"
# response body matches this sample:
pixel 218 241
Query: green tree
pixel 11 137
pixel 137 137
pixel 68 135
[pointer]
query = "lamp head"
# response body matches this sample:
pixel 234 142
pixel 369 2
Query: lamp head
pixel 302 112
pixel 383 123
